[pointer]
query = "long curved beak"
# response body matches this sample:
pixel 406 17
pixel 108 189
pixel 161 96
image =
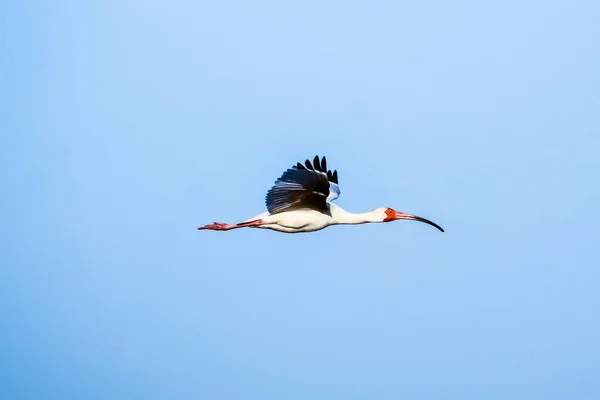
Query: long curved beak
pixel 401 215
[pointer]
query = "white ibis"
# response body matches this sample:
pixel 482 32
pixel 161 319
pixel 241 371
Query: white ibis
pixel 301 201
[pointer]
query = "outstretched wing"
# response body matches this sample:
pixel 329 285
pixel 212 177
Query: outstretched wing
pixel 304 186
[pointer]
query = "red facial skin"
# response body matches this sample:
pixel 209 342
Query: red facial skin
pixel 390 215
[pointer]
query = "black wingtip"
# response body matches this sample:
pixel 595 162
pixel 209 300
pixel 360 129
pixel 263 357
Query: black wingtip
pixel 317 163
pixel 324 165
pixel 334 178
pixel 300 166
pixel 308 165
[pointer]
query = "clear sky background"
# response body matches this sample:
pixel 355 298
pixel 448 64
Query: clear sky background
pixel 128 124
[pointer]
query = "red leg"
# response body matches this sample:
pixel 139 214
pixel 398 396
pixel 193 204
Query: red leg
pixel 219 226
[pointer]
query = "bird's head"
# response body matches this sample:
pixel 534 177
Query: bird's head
pixel 389 214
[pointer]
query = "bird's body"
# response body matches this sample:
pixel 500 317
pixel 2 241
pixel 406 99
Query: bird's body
pixel 301 201
pixel 310 220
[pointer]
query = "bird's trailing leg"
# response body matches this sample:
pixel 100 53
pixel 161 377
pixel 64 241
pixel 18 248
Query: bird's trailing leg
pixel 219 226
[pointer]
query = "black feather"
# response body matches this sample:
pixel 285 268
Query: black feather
pixel 298 188
pixel 317 163
pixel 302 186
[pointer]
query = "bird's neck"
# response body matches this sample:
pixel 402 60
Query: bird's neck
pixel 342 216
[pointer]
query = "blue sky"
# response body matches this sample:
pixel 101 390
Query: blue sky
pixel 129 124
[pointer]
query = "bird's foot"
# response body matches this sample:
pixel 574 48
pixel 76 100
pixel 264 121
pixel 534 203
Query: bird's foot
pixel 217 226
pixel 220 226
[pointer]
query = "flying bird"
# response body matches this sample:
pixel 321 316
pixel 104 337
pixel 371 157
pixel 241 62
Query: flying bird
pixel 301 201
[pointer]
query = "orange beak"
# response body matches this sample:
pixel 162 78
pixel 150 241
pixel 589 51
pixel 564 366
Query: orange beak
pixel 401 215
